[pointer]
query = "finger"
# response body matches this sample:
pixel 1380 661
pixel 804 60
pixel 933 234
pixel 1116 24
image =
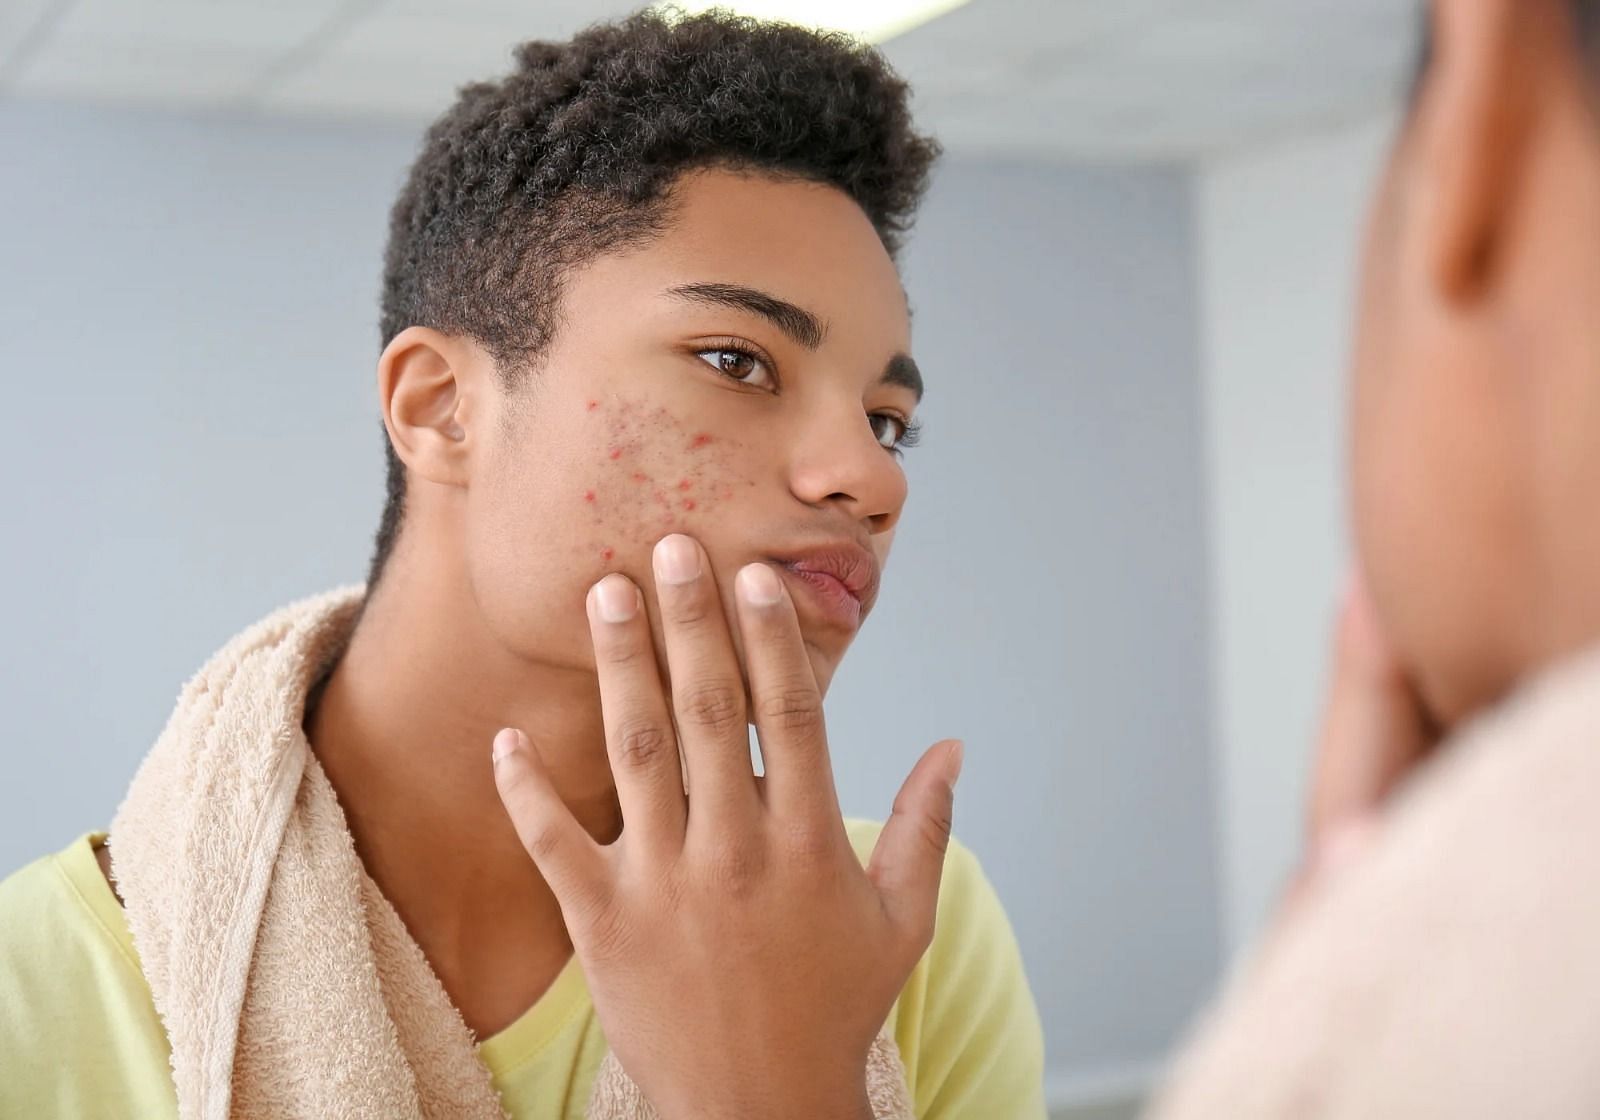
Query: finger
pixel 707 685
pixel 639 738
pixel 786 701
pixel 568 858
pixel 909 857
pixel 1374 729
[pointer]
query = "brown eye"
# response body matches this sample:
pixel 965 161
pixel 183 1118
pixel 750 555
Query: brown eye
pixel 894 433
pixel 888 430
pixel 739 365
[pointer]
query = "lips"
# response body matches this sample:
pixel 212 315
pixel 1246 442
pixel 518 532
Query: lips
pixel 840 581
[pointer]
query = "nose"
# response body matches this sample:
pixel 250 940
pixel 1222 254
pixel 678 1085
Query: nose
pixel 839 461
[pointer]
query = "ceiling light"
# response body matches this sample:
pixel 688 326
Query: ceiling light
pixel 872 20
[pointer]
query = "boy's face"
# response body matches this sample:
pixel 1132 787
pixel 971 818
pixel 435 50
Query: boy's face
pixel 1474 413
pixel 742 378
pixel 1429 467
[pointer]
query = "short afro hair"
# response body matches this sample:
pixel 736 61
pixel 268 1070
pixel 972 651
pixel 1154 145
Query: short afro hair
pixel 573 154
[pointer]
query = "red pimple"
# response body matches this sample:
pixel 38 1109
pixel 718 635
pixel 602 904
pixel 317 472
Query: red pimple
pixel 684 484
pixel 593 405
pixel 640 476
pixel 606 554
pixel 616 452
pixel 588 495
pixel 699 441
pixel 688 503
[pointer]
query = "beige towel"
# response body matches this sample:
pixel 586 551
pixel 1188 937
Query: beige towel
pixel 1454 970
pixel 287 984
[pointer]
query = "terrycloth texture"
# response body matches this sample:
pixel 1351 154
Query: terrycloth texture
pixel 287 984
pixel 1453 970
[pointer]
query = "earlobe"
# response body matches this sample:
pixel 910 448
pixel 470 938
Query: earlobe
pixel 1478 107
pixel 422 388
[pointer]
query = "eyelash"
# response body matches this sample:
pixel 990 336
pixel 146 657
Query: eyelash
pixel 910 430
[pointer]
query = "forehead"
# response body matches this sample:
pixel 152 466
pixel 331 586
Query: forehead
pixel 807 243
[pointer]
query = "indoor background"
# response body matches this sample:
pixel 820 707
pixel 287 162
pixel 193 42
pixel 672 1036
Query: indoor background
pixel 1131 285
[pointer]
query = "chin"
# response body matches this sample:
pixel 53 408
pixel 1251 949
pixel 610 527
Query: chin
pixel 823 665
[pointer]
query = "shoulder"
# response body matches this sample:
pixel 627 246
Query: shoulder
pixel 60 919
pixel 79 1034
pixel 39 900
pixel 966 1023
pixel 1395 986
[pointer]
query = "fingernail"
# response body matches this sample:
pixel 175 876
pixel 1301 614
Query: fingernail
pixel 505 741
pixel 957 754
pixel 758 585
pixel 676 559
pixel 616 599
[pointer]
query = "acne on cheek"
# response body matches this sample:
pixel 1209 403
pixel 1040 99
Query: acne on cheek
pixel 652 471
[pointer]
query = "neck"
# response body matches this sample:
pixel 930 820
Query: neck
pixel 403 728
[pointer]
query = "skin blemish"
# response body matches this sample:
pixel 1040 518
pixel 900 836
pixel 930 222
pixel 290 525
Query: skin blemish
pixel 688 503
pixel 607 553
pixel 700 440
pixel 592 405
pixel 661 497
pixel 616 453
pixel 588 496
pixel 684 484
pixel 640 476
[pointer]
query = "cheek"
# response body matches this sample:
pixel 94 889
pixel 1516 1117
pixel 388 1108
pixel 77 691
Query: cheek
pixel 648 472
pixel 1435 501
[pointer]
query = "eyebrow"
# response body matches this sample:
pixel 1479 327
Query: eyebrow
pixel 799 324
pixel 902 371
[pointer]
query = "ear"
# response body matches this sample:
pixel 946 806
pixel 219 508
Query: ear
pixel 427 382
pixel 1490 71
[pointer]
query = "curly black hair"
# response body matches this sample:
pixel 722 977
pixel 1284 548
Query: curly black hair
pixel 574 153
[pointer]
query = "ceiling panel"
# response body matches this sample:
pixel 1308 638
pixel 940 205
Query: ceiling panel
pixel 139 74
pixel 1088 79
pixel 23 24
pixel 266 26
pixel 407 58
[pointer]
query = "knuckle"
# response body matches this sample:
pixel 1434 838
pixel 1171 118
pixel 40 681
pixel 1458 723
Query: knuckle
pixel 933 824
pixel 791 709
pixel 545 842
pixel 692 609
pixel 937 828
pixel 716 707
pixel 641 745
pixel 808 842
pixel 621 649
pixel 736 871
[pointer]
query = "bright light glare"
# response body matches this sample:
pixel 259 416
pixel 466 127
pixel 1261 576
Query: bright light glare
pixel 872 20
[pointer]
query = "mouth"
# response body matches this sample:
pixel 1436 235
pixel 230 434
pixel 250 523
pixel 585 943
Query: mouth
pixel 836 584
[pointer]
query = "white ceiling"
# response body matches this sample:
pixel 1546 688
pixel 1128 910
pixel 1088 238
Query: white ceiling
pixel 1088 79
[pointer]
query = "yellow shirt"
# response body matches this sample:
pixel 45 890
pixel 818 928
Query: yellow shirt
pixel 80 1037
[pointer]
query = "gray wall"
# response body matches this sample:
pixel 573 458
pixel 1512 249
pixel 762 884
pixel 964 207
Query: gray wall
pixel 187 312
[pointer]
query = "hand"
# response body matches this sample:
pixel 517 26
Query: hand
pixel 740 958
pixel 1375 733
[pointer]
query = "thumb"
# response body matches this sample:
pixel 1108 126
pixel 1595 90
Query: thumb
pixel 909 857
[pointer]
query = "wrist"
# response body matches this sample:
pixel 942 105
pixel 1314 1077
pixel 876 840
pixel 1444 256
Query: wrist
pixel 846 1100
